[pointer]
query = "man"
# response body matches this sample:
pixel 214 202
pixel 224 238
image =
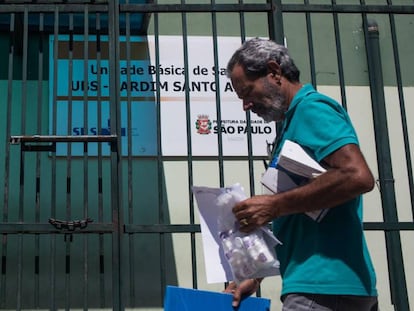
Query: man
pixel 324 265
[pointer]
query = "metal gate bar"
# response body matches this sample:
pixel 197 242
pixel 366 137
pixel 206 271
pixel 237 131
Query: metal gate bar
pixel 160 196
pixel 386 180
pixel 190 152
pixel 68 249
pixel 131 238
pixel 7 158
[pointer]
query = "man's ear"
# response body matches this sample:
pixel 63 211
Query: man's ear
pixel 274 69
pixel 275 72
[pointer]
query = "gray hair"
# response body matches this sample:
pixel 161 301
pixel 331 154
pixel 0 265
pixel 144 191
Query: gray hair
pixel 255 54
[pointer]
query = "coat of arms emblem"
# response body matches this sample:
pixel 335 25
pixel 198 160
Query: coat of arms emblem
pixel 203 124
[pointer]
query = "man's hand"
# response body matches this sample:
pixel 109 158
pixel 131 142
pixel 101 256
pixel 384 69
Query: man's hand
pixel 255 212
pixel 245 288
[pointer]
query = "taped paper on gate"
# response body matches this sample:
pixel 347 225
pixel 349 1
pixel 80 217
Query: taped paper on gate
pixel 231 255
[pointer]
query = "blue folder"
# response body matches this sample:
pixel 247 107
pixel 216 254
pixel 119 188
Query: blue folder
pixel 185 299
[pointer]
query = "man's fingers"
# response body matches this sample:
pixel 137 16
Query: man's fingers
pixel 236 298
pixel 230 288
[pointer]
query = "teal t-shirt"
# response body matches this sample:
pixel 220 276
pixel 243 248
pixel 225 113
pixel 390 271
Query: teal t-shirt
pixel 331 256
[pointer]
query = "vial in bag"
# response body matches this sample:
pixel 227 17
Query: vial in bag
pixel 258 251
pixel 241 265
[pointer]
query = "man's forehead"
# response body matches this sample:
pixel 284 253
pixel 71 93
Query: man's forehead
pixel 238 78
pixel 238 71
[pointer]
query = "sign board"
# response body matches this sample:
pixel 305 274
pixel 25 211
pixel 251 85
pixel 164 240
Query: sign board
pixel 194 95
pixel 82 95
pixel 206 95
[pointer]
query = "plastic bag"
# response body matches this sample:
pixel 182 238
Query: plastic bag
pixel 250 255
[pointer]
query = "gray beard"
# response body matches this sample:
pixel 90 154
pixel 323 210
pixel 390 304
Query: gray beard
pixel 276 112
pixel 273 115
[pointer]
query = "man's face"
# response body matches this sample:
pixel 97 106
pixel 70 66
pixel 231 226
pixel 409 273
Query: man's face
pixel 262 96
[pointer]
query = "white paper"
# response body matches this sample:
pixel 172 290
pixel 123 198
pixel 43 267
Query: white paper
pixel 277 181
pixel 294 159
pixel 217 268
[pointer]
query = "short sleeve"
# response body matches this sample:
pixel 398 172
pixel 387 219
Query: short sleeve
pixel 321 126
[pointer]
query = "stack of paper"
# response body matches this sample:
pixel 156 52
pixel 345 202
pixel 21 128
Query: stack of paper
pixel 294 168
pixel 294 159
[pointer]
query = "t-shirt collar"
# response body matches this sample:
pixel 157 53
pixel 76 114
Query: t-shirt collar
pixel 303 92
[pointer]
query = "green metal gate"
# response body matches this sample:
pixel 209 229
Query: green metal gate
pixel 96 215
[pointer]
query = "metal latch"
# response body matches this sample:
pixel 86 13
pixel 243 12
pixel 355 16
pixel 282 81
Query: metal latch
pixel 70 225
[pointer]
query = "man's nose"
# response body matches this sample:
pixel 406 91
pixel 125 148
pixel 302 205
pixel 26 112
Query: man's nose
pixel 247 105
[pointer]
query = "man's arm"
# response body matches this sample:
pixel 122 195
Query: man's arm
pixel 347 177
